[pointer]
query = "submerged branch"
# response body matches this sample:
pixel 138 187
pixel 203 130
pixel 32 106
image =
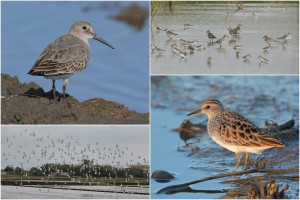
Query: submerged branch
pixel 182 186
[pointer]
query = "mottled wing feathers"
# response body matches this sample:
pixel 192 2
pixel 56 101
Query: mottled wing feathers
pixel 67 54
pixel 237 130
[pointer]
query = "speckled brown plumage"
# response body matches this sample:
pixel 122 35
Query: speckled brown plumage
pixel 234 132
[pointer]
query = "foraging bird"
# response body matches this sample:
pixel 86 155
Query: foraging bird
pixel 238 29
pixel 247 57
pixel 222 40
pixel 210 36
pixel 286 37
pixel 269 40
pixel 234 132
pixel 67 55
pixel 209 59
pixel 262 59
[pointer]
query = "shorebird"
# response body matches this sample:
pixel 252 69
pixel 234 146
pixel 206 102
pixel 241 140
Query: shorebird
pixel 187 26
pixel 232 32
pixel 222 40
pixel 286 37
pixel 183 54
pixel 190 47
pixel 262 59
pixel 159 50
pixel 200 46
pixel 192 42
pixel 157 28
pixel 209 59
pixel 238 28
pixel 285 44
pixel 210 36
pixel 67 55
pixel 234 132
pixel 170 33
pixel 174 48
pixel 267 48
pixel 269 40
pixel 247 57
pixel 237 47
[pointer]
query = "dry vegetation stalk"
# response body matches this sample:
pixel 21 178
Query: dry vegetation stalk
pixel 183 185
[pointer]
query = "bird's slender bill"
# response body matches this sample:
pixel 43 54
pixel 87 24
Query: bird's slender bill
pixel 197 111
pixel 96 37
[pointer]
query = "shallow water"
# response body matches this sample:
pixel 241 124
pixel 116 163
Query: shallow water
pixel 274 22
pixel 120 75
pixel 258 98
pixel 70 192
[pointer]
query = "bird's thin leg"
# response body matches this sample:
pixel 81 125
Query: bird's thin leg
pixel 53 88
pixel 238 163
pixel 246 160
pixel 64 87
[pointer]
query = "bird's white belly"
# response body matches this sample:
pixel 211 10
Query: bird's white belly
pixel 57 77
pixel 239 149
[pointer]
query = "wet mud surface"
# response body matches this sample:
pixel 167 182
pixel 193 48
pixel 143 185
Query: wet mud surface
pixel 29 104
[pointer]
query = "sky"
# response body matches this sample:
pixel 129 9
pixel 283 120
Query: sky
pixel 32 146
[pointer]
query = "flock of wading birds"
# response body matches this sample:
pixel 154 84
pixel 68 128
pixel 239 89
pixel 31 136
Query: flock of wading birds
pixel 191 45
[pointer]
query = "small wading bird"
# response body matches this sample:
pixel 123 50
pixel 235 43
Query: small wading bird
pixel 67 55
pixel 234 132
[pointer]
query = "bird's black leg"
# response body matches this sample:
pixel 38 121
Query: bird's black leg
pixel 53 88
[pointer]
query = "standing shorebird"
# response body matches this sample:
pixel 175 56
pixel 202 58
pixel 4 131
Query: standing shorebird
pixel 210 36
pixel 222 40
pixel 170 33
pixel 262 59
pixel 247 57
pixel 232 32
pixel 234 132
pixel 286 37
pixel 67 55
pixel 269 40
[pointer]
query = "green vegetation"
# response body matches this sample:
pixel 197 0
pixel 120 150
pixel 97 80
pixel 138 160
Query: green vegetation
pixel 86 172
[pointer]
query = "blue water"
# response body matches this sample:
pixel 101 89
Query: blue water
pixel 258 98
pixel 120 75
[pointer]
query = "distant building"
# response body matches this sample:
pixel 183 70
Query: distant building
pixel 145 168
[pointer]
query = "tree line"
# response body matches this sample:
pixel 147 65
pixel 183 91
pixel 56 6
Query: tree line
pixel 85 169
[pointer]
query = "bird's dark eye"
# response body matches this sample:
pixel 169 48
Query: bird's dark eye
pixel 84 27
pixel 207 107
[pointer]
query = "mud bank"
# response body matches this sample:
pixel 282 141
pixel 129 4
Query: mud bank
pixel 29 104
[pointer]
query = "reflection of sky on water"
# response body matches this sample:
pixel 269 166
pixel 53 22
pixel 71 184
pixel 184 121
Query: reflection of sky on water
pixel 121 75
pixel 68 144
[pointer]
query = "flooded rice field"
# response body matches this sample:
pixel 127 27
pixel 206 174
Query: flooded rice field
pixel 260 99
pixel 257 19
pixel 74 192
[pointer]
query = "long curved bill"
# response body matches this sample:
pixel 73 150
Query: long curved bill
pixel 96 37
pixel 197 111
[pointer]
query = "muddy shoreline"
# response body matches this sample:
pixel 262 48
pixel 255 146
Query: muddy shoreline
pixel 28 104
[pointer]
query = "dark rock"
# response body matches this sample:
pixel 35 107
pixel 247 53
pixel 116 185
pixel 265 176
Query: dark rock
pixel 162 176
pixel 29 104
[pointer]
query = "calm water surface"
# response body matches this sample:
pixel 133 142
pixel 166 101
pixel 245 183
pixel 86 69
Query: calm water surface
pixel 274 22
pixel 272 98
pixel 120 75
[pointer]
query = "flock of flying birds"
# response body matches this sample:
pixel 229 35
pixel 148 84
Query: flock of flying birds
pixel 191 45
pixel 44 149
